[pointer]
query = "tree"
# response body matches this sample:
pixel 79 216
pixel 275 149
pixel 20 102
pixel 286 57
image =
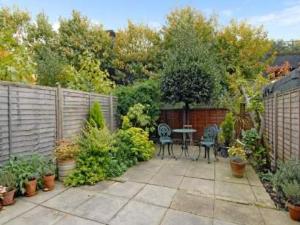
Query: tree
pixel 78 35
pixel 190 74
pixel 15 59
pixel 137 53
pixel 245 51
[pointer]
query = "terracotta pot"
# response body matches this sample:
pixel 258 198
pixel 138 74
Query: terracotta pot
pixel 49 182
pixel 30 187
pixel 294 211
pixel 238 168
pixel 9 197
pixel 65 168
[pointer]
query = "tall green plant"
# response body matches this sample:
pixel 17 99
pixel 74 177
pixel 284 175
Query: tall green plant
pixel 96 117
pixel 227 127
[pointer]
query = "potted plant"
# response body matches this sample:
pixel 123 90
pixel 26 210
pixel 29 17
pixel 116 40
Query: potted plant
pixel 8 180
pixel 237 156
pixel 65 154
pixel 48 175
pixel 2 192
pixel 292 192
pixel 31 185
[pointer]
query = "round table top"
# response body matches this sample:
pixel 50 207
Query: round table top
pixel 184 130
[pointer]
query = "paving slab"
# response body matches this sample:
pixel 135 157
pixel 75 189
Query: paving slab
pixel 220 222
pixel 161 196
pixel 99 187
pixel 223 173
pixel 74 220
pixel 101 207
pixel 38 216
pixel 276 217
pixel 44 196
pixel 174 217
pixel 263 199
pixel 142 176
pixel 172 169
pixel 201 170
pixel 127 189
pixel 241 193
pixel 138 213
pixel 237 213
pixel 69 200
pixel 10 212
pixel 166 180
pixel 202 206
pixel 253 177
pixel 198 186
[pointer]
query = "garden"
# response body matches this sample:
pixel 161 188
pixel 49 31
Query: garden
pixel 191 62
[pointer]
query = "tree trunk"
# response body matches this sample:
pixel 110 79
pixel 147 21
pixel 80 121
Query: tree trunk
pixel 185 114
pixel 260 126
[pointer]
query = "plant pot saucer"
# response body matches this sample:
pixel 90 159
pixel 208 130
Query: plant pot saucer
pixel 26 195
pixel 47 189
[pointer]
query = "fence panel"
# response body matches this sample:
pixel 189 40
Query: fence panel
pixel 32 118
pixel 282 127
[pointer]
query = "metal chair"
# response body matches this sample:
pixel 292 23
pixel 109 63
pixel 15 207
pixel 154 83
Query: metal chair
pixel 164 132
pixel 208 141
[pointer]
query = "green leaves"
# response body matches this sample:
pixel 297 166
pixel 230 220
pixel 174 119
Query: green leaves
pixel 96 117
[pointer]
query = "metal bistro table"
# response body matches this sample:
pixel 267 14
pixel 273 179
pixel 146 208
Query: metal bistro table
pixel 184 145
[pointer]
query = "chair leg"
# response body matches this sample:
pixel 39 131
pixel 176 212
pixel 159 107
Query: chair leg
pixel 208 150
pixel 216 153
pixel 199 153
pixel 159 150
pixel 169 149
pixel 163 152
pixel 173 152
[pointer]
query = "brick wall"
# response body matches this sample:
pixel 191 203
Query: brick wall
pixel 198 118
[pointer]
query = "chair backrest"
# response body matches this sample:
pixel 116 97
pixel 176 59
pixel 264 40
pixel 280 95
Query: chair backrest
pixel 164 130
pixel 210 133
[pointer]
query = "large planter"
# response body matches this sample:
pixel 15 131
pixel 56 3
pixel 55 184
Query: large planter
pixel 238 168
pixel 294 211
pixel 9 197
pixel 30 187
pixel 49 182
pixel 65 168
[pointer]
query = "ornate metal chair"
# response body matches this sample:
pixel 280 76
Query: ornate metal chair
pixel 208 141
pixel 164 132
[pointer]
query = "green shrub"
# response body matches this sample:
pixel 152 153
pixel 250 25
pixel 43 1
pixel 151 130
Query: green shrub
pixel 259 154
pixel 227 128
pixel 286 180
pixel 137 117
pixel 94 147
pixel 96 117
pixel 135 144
pixel 146 93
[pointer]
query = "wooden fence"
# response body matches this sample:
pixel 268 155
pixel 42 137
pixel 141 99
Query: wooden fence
pixel 198 118
pixel 32 118
pixel 282 125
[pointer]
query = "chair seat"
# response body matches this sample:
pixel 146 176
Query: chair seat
pixel 207 143
pixel 165 140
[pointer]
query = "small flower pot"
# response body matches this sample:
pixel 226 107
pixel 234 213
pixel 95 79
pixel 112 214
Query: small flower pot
pixel 238 168
pixel 9 197
pixel 49 182
pixel 30 187
pixel 294 211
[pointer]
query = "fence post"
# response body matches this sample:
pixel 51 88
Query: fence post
pixel 275 129
pixel 9 121
pixel 111 112
pixel 59 113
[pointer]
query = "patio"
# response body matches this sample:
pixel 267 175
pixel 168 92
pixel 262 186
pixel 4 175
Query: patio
pixel 166 192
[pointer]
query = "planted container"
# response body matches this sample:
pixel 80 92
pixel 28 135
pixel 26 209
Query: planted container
pixel 8 180
pixel 238 167
pixel 30 187
pixel 65 168
pixel 294 211
pixel 9 197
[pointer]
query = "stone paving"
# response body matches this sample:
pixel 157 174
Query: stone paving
pixel 165 192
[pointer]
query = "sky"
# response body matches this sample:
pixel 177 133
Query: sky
pixel 281 19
